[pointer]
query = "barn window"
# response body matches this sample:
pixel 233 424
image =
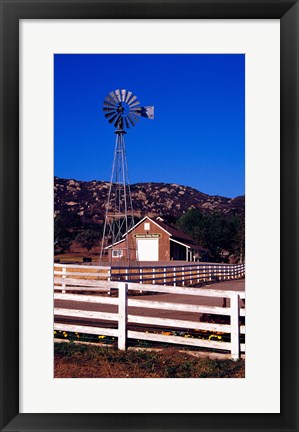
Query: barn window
pixel 146 226
pixel 117 253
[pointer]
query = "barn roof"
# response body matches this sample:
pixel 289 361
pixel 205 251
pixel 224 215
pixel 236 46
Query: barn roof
pixel 173 232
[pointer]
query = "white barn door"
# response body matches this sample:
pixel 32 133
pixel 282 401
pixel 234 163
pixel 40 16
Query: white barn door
pixel 148 249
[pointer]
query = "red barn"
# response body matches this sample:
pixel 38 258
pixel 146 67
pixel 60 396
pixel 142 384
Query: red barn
pixel 155 240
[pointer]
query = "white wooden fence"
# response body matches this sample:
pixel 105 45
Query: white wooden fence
pixel 123 318
pixel 186 274
pixel 181 275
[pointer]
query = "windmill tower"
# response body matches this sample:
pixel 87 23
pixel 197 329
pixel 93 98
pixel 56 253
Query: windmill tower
pixel 122 109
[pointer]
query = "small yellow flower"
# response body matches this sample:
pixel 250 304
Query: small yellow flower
pixel 101 337
pixel 213 337
pixel 55 332
pixel 65 335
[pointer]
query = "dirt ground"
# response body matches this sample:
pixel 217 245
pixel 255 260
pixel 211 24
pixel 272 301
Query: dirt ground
pixel 95 260
pixel 78 361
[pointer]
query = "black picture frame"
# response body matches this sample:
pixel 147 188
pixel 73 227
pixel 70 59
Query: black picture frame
pixel 13 11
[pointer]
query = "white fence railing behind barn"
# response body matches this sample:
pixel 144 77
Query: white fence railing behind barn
pixel 187 274
pixel 123 318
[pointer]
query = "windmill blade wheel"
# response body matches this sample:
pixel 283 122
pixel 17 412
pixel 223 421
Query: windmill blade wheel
pixel 122 109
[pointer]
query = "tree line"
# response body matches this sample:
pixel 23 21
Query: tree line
pixel 223 235
pixel 69 228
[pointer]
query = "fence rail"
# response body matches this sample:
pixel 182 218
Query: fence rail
pixel 187 274
pixel 182 275
pixel 122 317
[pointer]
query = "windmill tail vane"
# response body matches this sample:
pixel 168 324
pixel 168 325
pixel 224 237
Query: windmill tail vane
pixel 147 111
pixel 123 110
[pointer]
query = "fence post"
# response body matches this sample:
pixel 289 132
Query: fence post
pixel 235 326
pixel 197 274
pixel 154 278
pixel 164 275
pixel 109 279
pixel 140 278
pixel 63 281
pixel 122 315
pixel 174 276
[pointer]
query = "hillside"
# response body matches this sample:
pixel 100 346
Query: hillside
pixel 85 201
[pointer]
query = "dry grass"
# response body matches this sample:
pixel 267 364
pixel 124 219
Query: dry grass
pixel 85 361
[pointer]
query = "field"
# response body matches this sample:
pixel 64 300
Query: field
pixel 89 361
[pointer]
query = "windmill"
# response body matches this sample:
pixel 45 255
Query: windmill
pixel 123 110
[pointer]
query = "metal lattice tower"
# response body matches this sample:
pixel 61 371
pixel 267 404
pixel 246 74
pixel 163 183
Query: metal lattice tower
pixel 122 109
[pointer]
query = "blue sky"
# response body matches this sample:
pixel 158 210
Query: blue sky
pixel 197 138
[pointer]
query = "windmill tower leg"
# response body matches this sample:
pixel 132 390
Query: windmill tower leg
pixel 119 217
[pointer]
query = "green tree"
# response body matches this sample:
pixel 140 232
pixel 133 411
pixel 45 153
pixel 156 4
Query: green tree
pixel 62 237
pixel 192 223
pixel 240 239
pixel 70 218
pixel 88 238
pixel 214 231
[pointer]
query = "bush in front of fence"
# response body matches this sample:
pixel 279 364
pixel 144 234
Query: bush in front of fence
pixel 199 334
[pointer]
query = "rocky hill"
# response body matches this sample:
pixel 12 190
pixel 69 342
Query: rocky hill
pixel 85 201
